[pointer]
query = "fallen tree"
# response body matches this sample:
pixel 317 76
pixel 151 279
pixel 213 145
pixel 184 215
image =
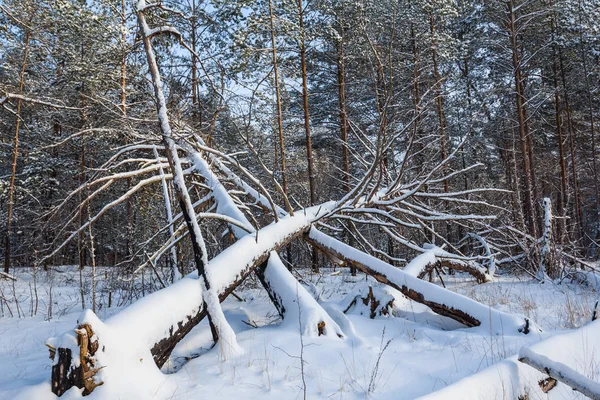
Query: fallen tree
pixel 444 302
pixel 511 379
pixel 160 320
pixel 437 258
pixel 560 372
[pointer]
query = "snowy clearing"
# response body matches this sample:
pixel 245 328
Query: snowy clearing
pixel 410 353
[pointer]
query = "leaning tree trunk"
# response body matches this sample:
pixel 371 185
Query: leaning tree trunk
pixel 218 323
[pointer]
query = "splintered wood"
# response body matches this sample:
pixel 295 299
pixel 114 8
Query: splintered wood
pixel 65 375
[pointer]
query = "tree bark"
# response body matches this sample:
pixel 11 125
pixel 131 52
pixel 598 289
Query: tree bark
pixel 13 173
pixel 278 100
pixel 562 196
pixel 525 139
pixel 309 152
pixel 185 203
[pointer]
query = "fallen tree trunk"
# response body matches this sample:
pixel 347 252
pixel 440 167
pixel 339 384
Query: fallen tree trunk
pixel 561 373
pixel 444 302
pixel 511 379
pixel 294 303
pixel 160 320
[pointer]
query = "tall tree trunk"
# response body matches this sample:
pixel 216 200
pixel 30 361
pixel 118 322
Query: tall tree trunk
pixel 341 79
pixel 438 93
pixel 590 102
pixel 123 60
pixel 196 107
pixel 440 106
pixel 577 212
pixel 13 172
pixel 309 153
pixel 526 152
pixel 81 246
pixel 278 99
pixel 562 196
pixel 416 94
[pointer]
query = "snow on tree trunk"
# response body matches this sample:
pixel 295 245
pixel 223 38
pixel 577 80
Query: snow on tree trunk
pixel 294 303
pixel 561 373
pixel 511 379
pixel 442 301
pixel 220 328
pixel 547 265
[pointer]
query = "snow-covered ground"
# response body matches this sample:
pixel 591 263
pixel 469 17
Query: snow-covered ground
pixel 405 355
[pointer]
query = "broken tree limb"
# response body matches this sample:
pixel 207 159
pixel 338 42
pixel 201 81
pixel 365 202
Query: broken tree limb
pixel 436 257
pixel 457 265
pixel 491 258
pixel 7 276
pixel 560 372
pixel 289 296
pixel 444 302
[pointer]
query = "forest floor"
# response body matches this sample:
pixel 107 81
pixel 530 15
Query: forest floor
pixel 405 355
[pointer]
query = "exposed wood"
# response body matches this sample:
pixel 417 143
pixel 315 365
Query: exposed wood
pixel 64 375
pixel 442 309
pixel 561 373
pixel 547 384
pixel 455 265
pixel 15 156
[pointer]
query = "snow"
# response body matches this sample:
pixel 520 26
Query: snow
pixel 426 354
pixel 490 320
pixel 418 264
pixel 561 372
pixel 578 350
pixel 300 307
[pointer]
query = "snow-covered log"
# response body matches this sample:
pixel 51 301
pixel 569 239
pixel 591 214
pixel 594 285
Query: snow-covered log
pixel 444 302
pixel 7 276
pixel 160 320
pixel 511 379
pixel 560 372
pixel 294 303
pixel 436 257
